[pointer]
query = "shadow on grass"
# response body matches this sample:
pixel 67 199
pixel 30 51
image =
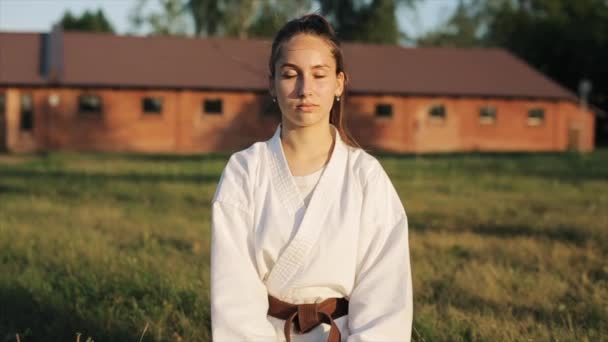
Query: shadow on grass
pixel 21 313
pixel 75 176
pixel 560 233
pixel 565 234
pixel 209 157
pixel 512 155
pixel 141 157
pixel 570 167
pixel 11 189
pixel 445 295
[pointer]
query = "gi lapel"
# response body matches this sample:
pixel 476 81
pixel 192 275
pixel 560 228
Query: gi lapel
pixel 309 231
pixel 281 176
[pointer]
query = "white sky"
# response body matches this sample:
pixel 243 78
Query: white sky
pixel 39 15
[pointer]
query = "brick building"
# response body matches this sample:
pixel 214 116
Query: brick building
pixel 91 91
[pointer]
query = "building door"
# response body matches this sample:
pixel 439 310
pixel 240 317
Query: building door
pixel 574 138
pixel 2 122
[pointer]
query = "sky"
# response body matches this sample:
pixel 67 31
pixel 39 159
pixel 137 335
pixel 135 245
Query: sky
pixel 39 15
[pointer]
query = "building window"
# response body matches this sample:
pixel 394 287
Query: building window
pixel 152 105
pixel 437 112
pixel 536 116
pixel 26 120
pixel 213 107
pixel 487 115
pixel 2 104
pixel 384 110
pixel 89 104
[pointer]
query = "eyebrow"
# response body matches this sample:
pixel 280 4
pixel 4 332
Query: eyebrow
pixel 318 66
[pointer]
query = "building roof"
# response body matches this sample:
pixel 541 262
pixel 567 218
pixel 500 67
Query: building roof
pixel 106 60
pixel 20 58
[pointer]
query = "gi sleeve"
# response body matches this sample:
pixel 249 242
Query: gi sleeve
pixel 239 299
pixel 381 303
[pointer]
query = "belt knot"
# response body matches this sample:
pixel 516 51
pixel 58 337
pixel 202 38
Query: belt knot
pixel 309 316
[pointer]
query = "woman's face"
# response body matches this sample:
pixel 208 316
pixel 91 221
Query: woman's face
pixel 305 82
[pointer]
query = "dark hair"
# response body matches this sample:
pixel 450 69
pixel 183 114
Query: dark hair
pixel 316 25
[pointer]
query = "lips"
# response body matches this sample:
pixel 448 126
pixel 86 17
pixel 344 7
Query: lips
pixel 306 106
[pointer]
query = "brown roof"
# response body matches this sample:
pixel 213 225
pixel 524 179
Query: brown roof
pixel 20 58
pixel 98 60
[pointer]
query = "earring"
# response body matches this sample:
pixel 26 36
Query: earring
pixel 274 99
pixel 337 98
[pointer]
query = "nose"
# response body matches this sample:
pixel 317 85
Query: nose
pixel 305 86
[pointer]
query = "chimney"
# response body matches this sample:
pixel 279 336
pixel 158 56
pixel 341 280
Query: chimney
pixel 52 55
pixel 584 88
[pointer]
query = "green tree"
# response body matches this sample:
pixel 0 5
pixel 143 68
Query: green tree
pixel 225 17
pixel 88 21
pixel 233 18
pixel 206 15
pixel 274 14
pixel 169 21
pixel 380 23
pixel 462 29
pixel 355 20
pixel 372 21
pixel 567 40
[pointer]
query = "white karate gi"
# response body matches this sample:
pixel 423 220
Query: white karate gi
pixel 351 241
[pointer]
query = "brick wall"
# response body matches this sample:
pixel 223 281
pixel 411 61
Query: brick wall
pixel 244 120
pixel 183 126
pixel 412 129
pixel 122 125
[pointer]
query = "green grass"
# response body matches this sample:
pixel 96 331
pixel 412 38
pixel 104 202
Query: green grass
pixel 504 247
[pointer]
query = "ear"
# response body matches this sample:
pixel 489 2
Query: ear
pixel 340 79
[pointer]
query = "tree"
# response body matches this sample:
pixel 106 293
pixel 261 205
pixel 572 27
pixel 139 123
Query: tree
pixel 354 20
pixel 206 15
pixel 566 40
pixel 345 16
pixel 233 18
pixel 366 21
pixel 169 21
pixel 88 21
pixel 274 14
pixel 225 17
pixel 380 23
pixel 463 29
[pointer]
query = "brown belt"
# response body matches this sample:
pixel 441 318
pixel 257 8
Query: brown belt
pixel 309 316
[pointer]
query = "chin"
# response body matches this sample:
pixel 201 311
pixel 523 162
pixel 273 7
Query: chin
pixel 304 119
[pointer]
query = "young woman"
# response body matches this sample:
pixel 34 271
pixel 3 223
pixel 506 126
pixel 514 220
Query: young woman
pixel 309 237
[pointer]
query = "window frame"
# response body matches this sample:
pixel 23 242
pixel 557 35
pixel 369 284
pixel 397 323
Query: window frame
pixel 146 110
pixel 533 120
pixel 488 119
pixel 209 101
pixel 384 105
pixel 26 125
pixel 2 103
pixel 435 117
pixel 88 112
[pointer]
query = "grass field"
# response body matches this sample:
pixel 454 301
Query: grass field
pixel 507 247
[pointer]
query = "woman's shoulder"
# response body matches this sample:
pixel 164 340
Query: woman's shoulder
pixel 379 194
pixel 246 159
pixel 235 182
pixel 364 165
